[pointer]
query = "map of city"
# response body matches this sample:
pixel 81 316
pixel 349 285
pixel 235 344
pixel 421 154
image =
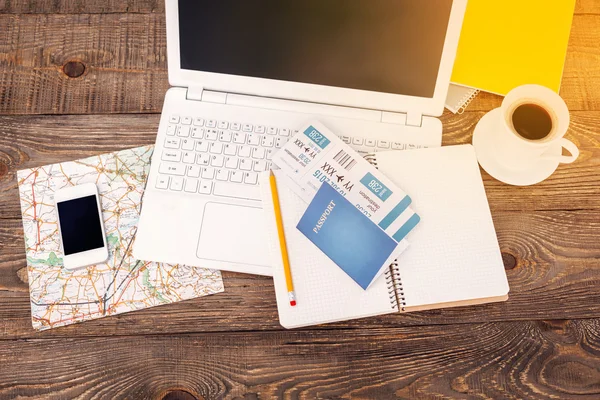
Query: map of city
pixel 61 297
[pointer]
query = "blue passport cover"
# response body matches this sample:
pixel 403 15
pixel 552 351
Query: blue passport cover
pixel 347 236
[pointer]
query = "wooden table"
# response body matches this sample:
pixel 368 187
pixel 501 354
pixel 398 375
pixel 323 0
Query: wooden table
pixel 79 78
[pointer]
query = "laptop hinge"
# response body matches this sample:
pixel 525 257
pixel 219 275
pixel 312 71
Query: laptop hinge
pixel 199 94
pixel 414 119
pixel 395 118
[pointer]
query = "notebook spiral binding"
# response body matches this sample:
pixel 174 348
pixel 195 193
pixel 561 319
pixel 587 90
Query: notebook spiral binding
pixel 395 289
pixel 465 101
pixel 392 275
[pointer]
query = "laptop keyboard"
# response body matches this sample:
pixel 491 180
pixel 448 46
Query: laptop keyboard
pixel 223 158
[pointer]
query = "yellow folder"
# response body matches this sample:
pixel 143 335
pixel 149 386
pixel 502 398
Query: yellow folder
pixel 508 43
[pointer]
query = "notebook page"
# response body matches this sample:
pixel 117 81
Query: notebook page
pixel 453 253
pixel 323 290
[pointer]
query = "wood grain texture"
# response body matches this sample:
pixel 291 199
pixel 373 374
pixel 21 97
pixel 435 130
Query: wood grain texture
pixel 126 71
pixel 557 276
pixel 88 6
pixel 515 360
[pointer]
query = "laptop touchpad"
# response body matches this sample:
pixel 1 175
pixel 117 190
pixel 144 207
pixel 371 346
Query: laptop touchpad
pixel 234 233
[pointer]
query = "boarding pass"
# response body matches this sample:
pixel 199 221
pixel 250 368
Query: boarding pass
pixel 315 155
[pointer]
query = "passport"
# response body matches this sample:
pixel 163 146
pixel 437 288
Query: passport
pixel 348 237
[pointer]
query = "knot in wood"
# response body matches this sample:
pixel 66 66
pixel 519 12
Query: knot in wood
pixel 74 69
pixel 179 394
pixel 509 261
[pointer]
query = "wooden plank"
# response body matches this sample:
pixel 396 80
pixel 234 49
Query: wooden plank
pixel 123 58
pixel 521 360
pixel 81 6
pixel 553 262
pixel 29 141
pixel 125 69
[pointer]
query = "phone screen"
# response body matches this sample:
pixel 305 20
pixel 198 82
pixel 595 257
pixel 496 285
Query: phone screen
pixel 80 225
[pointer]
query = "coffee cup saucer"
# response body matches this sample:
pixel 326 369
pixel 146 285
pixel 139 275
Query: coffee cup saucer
pixel 483 141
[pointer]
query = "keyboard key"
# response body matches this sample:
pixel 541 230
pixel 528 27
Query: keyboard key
pixel 347 139
pixel 188 144
pixel 244 151
pixel 246 164
pixel 163 182
pixel 230 149
pixel 260 165
pixel 357 141
pixel 222 174
pixel 371 142
pixel 397 146
pixel 184 131
pixel 225 136
pixel 251 178
pixel 171 155
pixel 177 183
pixel 191 185
pixel 217 160
pixel 208 173
pixel 199 121
pixel 172 143
pixel 216 147
pixel 254 139
pixel 212 134
pixel 267 141
pixel 174 119
pixel 205 187
pixel 202 146
pixel 236 176
pixel 250 192
pixel 272 131
pixel 171 130
pixel 193 171
pixel 259 129
pixel 197 133
pixel 223 125
pixel 203 159
pixel 247 128
pixel 383 144
pixel 284 132
pixel 211 123
pixel 235 126
pixel 239 138
pixel 171 168
pixel 189 157
pixel 280 141
pixel 258 152
pixel 270 153
pixel 186 120
pixel 231 162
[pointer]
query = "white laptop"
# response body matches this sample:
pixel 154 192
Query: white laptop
pixel 246 74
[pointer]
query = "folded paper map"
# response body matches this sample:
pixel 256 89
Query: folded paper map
pixel 61 297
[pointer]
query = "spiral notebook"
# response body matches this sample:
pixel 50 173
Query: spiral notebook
pixel 453 258
pixel 459 97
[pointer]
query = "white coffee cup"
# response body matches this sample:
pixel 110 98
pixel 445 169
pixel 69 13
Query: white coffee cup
pixel 519 153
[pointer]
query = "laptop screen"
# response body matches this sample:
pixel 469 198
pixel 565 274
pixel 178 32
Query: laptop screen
pixel 389 46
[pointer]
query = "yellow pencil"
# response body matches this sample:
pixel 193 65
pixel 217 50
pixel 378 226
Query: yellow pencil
pixel 284 253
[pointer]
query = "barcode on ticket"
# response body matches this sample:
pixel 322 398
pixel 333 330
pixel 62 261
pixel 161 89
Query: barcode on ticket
pixel 345 160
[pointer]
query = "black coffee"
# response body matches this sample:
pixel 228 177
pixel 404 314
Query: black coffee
pixel 532 122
